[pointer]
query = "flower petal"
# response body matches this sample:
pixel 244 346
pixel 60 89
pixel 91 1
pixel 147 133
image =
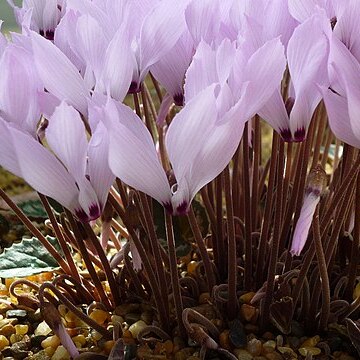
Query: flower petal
pixel 67 138
pixel 59 75
pixel 132 154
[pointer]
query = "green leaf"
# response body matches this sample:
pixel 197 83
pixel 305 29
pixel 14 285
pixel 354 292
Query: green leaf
pixel 33 209
pixel 27 258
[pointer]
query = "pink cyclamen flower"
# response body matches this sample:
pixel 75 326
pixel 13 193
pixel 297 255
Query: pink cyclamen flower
pixel 307 55
pixel 316 184
pixel 41 16
pixel 75 173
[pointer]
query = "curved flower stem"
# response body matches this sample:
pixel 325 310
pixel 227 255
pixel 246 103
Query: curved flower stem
pixel 60 236
pixel 78 285
pixel 353 263
pixel 325 308
pixel 63 299
pixel 25 220
pixel 232 305
pixel 174 274
pixel 247 208
pixel 105 264
pixel 202 249
pixel 261 255
pixel 255 174
pixel 200 319
pixel 155 245
pixel 275 239
pixel 159 301
pixel 219 237
pixel 88 263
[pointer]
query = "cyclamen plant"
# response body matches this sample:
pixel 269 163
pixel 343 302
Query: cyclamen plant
pixel 114 108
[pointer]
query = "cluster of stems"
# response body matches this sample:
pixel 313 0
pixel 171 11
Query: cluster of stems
pixel 253 207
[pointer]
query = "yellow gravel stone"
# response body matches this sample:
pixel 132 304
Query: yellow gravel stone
pixel 4 342
pixel 311 350
pixel 246 298
pixel 108 345
pixel 43 329
pixel 60 354
pixel 310 342
pixel 137 327
pixel 14 338
pixel 49 351
pixel 79 339
pixel 51 341
pixel 100 316
pixel 21 329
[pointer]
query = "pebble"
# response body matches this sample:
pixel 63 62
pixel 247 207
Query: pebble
pixel 254 347
pixel 41 355
pixel 243 354
pixel 310 342
pixel 247 312
pixel 60 354
pixel 204 298
pixel 246 298
pixel 312 350
pixel 237 334
pixel 17 313
pixel 7 330
pixel 274 356
pixel 80 339
pixel 224 339
pixel 51 341
pixel 287 350
pixel 3 342
pixel 42 329
pixel 21 329
pixel 137 327
pixel 100 316
pixel 269 346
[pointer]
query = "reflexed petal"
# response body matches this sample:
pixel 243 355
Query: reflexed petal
pixel 200 147
pixel 203 20
pixel 347 27
pixel 118 67
pixel 170 69
pixel 303 224
pixel 160 31
pixel 18 89
pixel 347 69
pixel 337 110
pixel 59 75
pixel 263 77
pixel 67 138
pixel 189 126
pixel 275 114
pixel 166 103
pixel 99 172
pixel 91 42
pixel 42 170
pixel 132 154
pixel 307 59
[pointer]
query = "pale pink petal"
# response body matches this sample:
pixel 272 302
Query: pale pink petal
pixel 347 70
pixel 67 138
pixel 91 42
pixel 119 65
pixel 170 69
pixel 3 41
pixel 132 154
pixel 18 89
pixel 203 20
pixel 306 58
pixel 160 31
pixel 263 77
pixel 339 121
pixel 47 103
pixel 274 112
pixel 65 39
pixel 303 224
pixel 347 27
pixel 42 170
pixel 100 175
pixel 304 9
pixel 59 75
